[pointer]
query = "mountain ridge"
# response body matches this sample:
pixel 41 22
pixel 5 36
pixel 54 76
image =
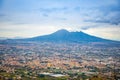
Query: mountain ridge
pixel 66 36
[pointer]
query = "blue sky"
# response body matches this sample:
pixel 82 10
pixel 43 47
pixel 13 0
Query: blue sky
pixel 28 18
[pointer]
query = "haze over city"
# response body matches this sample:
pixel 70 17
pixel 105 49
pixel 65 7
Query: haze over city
pixel 29 18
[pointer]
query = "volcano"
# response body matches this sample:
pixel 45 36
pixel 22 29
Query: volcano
pixel 66 36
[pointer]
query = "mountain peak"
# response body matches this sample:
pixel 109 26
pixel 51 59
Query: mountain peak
pixel 62 31
pixel 63 35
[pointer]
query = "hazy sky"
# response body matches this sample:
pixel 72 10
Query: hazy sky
pixel 28 18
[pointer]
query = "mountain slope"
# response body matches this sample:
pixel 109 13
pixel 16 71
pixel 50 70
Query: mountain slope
pixel 66 36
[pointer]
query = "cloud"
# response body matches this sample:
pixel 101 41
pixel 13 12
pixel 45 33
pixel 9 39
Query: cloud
pixel 105 14
pixel 49 10
pixel 25 30
pixel 45 15
pixel 111 18
pixel 106 31
pixel 60 18
pixel 87 27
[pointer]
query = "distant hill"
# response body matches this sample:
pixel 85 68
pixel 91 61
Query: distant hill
pixel 3 38
pixel 66 36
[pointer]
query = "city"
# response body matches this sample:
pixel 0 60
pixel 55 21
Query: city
pixel 72 61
